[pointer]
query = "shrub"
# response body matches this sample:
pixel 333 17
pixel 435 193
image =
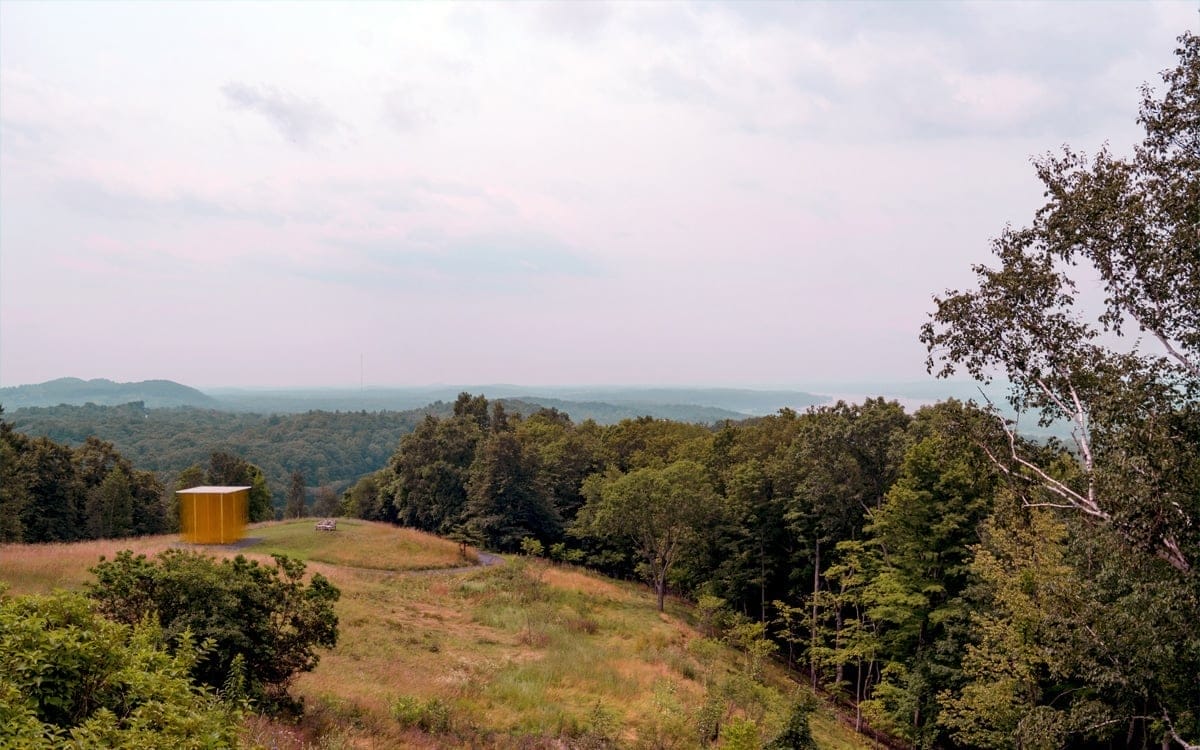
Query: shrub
pixel 797 735
pixel 740 734
pixel 69 677
pixel 406 710
pixel 532 547
pixel 266 615
pixel 431 716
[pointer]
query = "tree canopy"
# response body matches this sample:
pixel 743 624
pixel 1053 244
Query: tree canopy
pixel 1133 223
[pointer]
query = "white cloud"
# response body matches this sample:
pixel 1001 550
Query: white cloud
pixel 299 120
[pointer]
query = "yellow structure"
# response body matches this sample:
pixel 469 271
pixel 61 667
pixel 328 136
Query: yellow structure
pixel 213 515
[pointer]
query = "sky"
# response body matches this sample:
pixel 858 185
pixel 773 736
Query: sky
pixel 737 194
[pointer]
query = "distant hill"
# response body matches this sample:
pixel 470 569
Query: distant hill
pixel 738 401
pixel 606 413
pixel 606 405
pixel 154 394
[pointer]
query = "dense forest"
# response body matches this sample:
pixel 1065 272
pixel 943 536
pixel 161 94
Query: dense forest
pixel 327 448
pixel 52 492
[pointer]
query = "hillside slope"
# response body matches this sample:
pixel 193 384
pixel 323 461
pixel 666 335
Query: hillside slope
pixel 523 654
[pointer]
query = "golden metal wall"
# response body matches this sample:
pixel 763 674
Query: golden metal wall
pixel 213 518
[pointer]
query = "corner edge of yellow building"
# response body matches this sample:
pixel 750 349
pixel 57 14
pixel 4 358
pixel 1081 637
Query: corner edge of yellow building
pixel 213 515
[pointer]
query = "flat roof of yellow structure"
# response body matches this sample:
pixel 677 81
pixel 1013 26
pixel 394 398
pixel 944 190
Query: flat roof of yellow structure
pixel 211 490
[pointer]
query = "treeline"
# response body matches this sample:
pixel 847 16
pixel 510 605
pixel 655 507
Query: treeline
pixel 887 555
pixel 51 492
pixel 327 448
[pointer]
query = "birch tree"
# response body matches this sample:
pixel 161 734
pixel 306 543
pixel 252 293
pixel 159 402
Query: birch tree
pixel 1124 372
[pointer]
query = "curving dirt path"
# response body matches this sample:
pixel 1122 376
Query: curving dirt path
pixel 486 560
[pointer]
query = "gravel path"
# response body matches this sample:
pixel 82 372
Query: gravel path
pixel 486 560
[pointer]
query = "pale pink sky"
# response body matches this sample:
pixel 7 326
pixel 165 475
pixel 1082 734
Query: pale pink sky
pixel 735 194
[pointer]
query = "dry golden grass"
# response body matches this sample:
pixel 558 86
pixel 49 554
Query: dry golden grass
pixel 580 581
pixel 41 568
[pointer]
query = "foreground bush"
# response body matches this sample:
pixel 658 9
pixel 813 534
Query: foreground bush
pixel 264 622
pixel 71 678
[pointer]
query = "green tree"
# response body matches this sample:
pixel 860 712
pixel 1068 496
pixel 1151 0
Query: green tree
pixel 153 507
pixel 921 537
pixel 660 508
pixel 508 499
pixel 1134 224
pixel 108 507
pixel 326 502
pixel 368 499
pixel 567 454
pixel 430 472
pixel 56 495
pixel 646 441
pixel 14 494
pixel 796 734
pixel 295 497
pixel 263 617
pixel 192 476
pixel 228 470
pixel 1024 577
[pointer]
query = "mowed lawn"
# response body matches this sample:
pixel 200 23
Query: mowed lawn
pixel 358 544
pixel 523 654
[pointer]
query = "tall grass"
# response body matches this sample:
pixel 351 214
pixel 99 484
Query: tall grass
pixel 41 568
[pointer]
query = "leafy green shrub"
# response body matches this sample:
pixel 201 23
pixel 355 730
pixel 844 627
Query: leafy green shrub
pixel 740 734
pixel 435 719
pixel 432 716
pixel 709 717
pixel 406 710
pixel 532 547
pixel 751 639
pixel 69 677
pixel 560 553
pixel 265 615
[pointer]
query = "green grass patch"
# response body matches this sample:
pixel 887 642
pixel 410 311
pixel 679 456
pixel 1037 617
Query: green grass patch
pixel 358 544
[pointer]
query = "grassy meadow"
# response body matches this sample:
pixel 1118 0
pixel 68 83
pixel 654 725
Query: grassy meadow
pixel 522 654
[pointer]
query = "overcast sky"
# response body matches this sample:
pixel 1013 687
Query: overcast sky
pixel 633 193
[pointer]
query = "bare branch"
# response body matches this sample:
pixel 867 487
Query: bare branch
pixel 1087 503
pixel 1085 436
pixel 1172 554
pixel 1192 367
pixel 1175 735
